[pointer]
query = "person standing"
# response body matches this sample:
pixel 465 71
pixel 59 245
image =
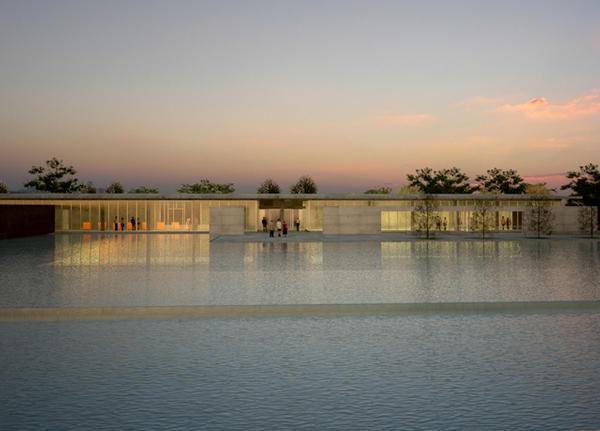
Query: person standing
pixel 503 222
pixel 132 221
pixel 285 228
pixel 122 224
pixel 297 224
pixel 264 223
pixel 116 224
pixel 279 226
pixel 271 229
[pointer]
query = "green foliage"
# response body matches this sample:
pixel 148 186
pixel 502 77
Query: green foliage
pixel 268 186
pixel 144 189
pixel 3 188
pixel 304 185
pixel 205 186
pixel 501 181
pixel 115 187
pixel 382 190
pixel 585 183
pixel 87 188
pixel 55 177
pixel 449 181
pixel 540 218
pixel 425 215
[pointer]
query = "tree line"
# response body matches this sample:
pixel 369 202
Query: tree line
pixel 57 177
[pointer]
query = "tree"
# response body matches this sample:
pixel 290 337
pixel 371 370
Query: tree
pixel 409 190
pixel 205 186
pixel 87 188
pixel 501 181
pixel 144 189
pixel 382 190
pixel 587 218
pixel 540 218
pixel 483 217
pixel 425 215
pixel 268 186
pixel 451 180
pixel 115 187
pixel 586 183
pixel 304 185
pixel 55 177
pixel 3 188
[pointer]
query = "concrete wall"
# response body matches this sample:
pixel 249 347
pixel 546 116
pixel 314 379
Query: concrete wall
pixel 565 220
pixel 351 220
pixel 26 220
pixel 227 221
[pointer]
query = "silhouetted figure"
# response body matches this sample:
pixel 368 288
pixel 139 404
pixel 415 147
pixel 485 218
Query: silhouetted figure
pixel 503 222
pixel 445 223
pixel 122 224
pixel 271 229
pixel 285 228
pixel 116 224
pixel 279 226
pixel 297 224
pixel 264 224
pixel 508 223
pixel 132 223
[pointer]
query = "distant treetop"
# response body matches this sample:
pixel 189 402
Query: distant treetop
pixel 205 186
pixel 115 187
pixel 382 190
pixel 500 181
pixel 428 181
pixel 268 186
pixel 304 185
pixel 144 189
pixel 54 177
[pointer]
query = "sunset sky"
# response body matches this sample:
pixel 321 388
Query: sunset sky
pixel 355 94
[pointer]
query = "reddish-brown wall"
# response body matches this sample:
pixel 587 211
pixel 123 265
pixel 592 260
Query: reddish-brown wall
pixel 26 220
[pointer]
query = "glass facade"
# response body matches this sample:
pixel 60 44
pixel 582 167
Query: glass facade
pixel 193 215
pixel 144 215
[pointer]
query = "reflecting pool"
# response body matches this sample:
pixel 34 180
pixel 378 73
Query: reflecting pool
pixel 438 370
pixel 100 270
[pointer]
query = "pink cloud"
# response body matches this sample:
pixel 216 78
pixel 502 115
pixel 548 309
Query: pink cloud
pixel 551 180
pixel 402 120
pixel 541 109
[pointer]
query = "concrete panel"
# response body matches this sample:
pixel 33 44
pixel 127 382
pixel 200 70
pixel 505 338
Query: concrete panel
pixel 565 220
pixel 227 221
pixel 26 220
pixel 351 220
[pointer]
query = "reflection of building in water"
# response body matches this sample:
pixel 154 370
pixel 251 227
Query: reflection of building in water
pixel 121 250
pixel 333 214
pixel 448 249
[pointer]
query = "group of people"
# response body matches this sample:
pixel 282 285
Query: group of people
pixel 120 225
pixel 505 222
pixel 279 225
pixel 439 223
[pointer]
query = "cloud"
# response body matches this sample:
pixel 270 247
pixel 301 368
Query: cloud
pixel 402 120
pixel 541 109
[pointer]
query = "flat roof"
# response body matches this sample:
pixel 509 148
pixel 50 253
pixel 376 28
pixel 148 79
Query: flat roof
pixel 258 197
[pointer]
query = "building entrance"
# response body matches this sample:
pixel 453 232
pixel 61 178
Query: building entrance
pixel 286 210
